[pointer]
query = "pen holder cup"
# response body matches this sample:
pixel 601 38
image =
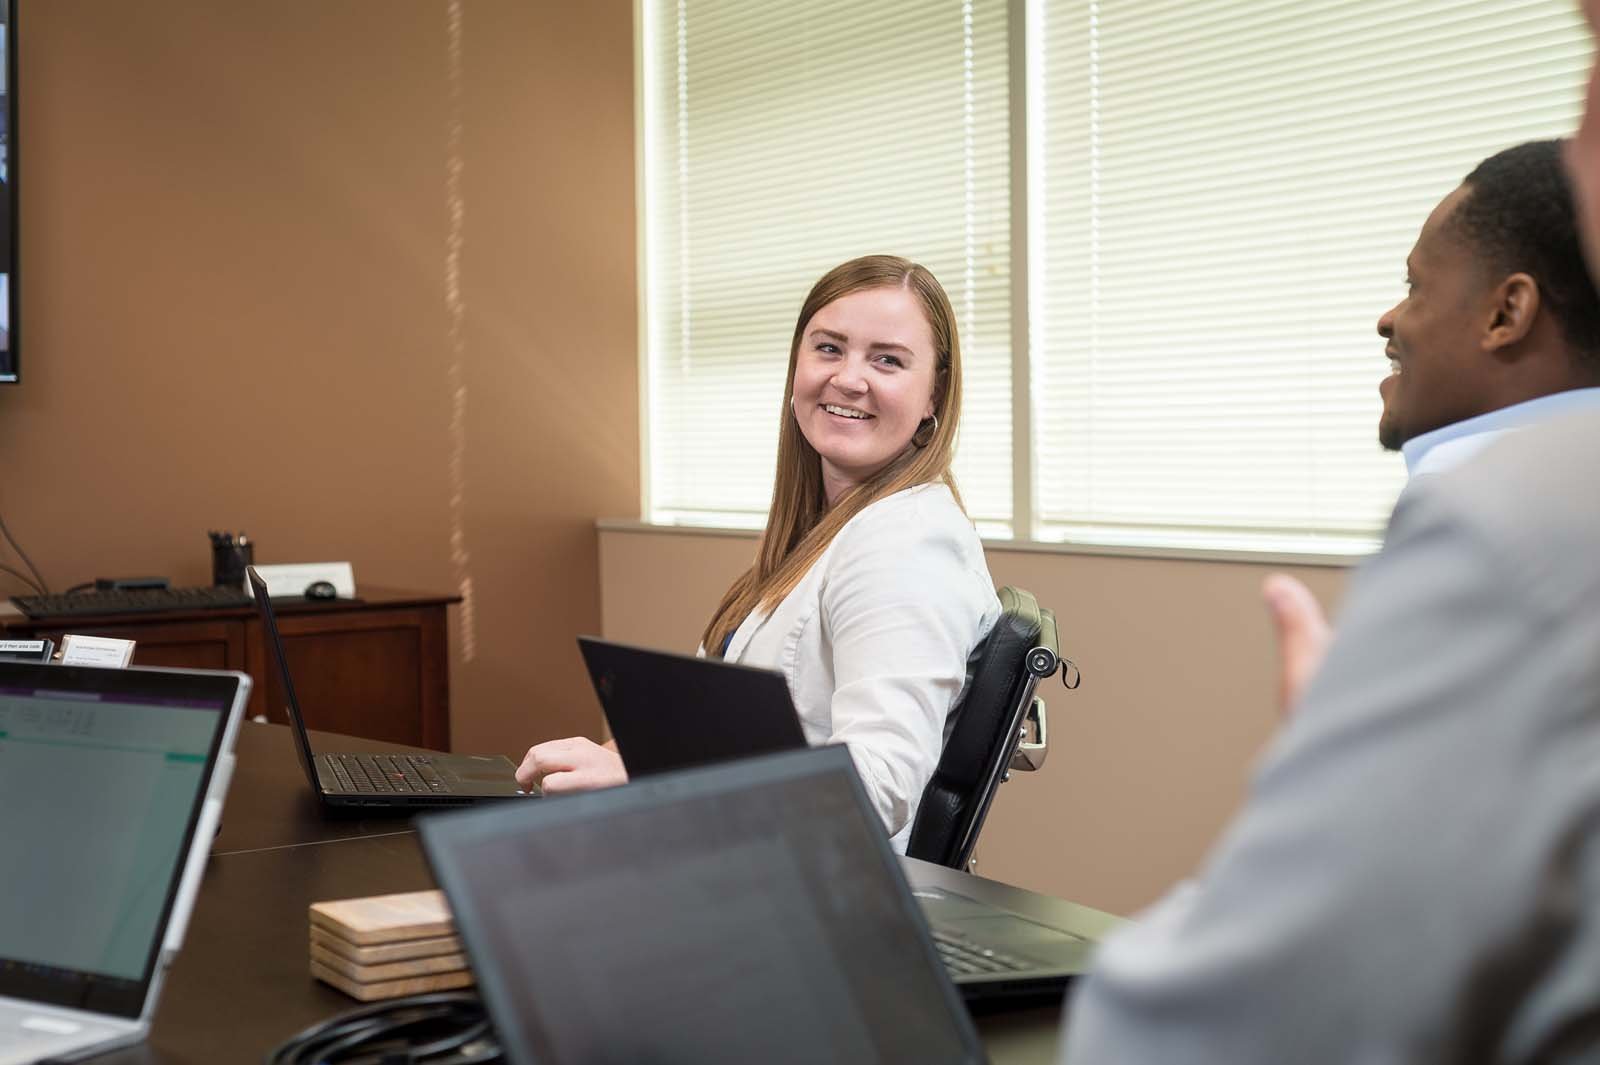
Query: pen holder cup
pixel 228 562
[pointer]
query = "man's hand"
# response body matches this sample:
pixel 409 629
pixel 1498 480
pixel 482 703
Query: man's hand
pixel 575 764
pixel 1303 636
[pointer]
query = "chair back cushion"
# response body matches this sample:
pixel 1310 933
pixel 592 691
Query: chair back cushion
pixel 982 737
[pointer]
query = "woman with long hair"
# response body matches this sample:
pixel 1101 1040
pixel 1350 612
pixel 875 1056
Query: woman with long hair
pixel 869 590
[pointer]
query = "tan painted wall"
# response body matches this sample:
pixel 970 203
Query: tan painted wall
pixel 1148 758
pixel 234 242
pixel 234 239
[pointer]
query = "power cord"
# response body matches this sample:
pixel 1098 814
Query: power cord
pixel 37 582
pixel 439 1028
pixel 23 577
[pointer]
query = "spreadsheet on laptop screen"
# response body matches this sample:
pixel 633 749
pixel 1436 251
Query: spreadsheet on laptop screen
pixel 118 777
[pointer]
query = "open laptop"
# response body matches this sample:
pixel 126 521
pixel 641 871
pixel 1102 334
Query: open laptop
pixel 383 781
pixel 669 711
pixel 111 789
pixel 748 912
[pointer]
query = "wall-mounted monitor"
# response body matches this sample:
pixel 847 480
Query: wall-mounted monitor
pixel 8 193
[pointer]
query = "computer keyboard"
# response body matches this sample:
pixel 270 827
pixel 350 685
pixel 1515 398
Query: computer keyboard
pixel 131 601
pixel 372 774
pixel 965 957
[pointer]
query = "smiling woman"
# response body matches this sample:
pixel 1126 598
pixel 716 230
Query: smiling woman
pixel 864 382
pixel 869 590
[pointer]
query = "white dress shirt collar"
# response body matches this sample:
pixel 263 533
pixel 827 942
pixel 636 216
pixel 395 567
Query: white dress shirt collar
pixel 1449 446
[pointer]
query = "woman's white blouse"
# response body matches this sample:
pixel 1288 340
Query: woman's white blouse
pixel 875 641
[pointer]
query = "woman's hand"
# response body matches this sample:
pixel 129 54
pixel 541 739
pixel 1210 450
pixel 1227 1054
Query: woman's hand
pixel 574 764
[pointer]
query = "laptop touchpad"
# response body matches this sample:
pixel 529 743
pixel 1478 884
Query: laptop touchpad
pixel 1008 932
pixel 1001 931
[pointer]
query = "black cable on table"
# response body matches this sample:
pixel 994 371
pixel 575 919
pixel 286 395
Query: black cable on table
pixel 437 1028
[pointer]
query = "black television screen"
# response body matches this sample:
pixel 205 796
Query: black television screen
pixel 8 192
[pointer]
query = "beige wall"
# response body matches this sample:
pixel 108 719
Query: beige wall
pixel 1148 757
pixel 235 228
pixel 234 237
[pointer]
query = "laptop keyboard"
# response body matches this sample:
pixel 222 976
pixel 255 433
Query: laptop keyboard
pixel 42 1033
pixel 131 601
pixel 384 774
pixel 965 957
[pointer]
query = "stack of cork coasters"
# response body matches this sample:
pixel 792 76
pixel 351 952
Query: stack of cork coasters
pixel 387 945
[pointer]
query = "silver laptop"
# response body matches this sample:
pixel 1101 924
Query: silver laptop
pixel 111 789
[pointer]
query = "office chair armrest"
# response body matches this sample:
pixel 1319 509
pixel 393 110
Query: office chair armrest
pixel 1030 756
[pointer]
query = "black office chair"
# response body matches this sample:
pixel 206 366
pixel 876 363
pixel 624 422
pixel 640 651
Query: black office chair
pixel 991 734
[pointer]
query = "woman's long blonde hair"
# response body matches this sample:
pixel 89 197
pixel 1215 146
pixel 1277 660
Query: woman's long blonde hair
pixel 801 525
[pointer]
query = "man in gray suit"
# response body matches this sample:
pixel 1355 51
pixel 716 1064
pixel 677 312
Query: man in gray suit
pixel 1499 329
pixel 1500 325
pixel 1415 876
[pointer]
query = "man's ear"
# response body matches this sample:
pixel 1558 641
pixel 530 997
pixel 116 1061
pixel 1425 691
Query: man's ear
pixel 1512 313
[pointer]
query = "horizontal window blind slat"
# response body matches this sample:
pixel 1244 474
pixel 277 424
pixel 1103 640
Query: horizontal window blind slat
pixel 1302 26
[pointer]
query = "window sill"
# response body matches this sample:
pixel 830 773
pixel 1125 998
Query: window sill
pixel 1250 555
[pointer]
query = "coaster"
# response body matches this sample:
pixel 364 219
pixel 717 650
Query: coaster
pixel 390 988
pixel 377 919
pixel 400 950
pixel 395 970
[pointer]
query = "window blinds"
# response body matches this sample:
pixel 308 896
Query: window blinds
pixel 781 139
pixel 1220 208
pixel 1220 199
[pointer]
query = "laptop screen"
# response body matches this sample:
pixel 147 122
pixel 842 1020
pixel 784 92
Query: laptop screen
pixel 291 706
pixel 102 774
pixel 750 912
pixel 670 711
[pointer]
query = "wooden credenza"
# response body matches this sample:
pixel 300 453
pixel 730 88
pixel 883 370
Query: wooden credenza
pixel 377 667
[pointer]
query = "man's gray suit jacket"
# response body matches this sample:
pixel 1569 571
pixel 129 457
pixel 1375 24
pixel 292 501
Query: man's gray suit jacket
pixel 1415 875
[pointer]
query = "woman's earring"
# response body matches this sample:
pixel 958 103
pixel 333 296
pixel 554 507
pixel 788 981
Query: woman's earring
pixel 924 434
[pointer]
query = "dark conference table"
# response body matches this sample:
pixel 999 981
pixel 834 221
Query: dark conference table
pixel 240 985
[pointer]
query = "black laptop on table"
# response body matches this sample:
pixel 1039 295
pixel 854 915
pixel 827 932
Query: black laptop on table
pixel 383 781
pixel 748 912
pixel 111 790
pixel 670 712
